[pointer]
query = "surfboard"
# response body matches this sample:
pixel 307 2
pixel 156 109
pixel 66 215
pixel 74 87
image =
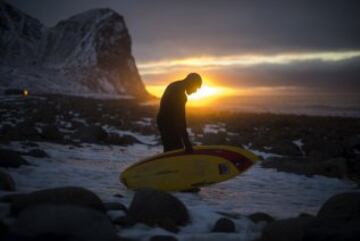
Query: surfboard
pixel 179 171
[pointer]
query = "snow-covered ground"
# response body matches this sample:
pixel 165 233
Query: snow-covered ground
pixel 98 167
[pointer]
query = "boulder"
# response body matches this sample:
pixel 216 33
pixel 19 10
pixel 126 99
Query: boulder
pixel 224 225
pixel 6 182
pixel 124 221
pixel 261 217
pixel 163 238
pixel 90 134
pixel 9 158
pixel 160 208
pixel 115 206
pixel 291 229
pixel 62 222
pixel 123 140
pixel 337 219
pixel 3 230
pixel 341 206
pixel 37 153
pixel 333 229
pixel 336 167
pixel 76 196
pixel 51 133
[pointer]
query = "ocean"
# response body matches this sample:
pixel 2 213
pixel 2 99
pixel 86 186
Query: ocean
pixel 320 105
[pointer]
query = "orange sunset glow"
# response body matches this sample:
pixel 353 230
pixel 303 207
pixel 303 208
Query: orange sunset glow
pixel 208 92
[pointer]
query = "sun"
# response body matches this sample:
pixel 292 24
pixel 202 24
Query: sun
pixel 204 92
pixel 202 96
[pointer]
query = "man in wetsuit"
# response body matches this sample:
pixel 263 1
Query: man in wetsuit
pixel 171 118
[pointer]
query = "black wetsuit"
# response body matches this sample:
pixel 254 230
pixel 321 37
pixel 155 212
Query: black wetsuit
pixel 171 118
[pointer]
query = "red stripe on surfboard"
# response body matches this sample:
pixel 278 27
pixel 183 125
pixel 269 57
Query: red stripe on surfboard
pixel 231 156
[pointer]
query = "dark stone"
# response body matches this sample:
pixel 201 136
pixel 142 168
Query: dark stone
pixel 123 140
pixel 224 225
pixel 163 238
pixel 230 215
pixel 118 195
pixel 160 208
pixel 37 153
pixel 6 182
pixel 341 206
pixel 30 144
pixel 336 167
pixel 69 222
pixel 115 206
pixel 90 134
pixel 51 133
pixel 124 221
pixel 291 229
pixel 9 158
pixel 333 229
pixel 3 230
pixel 260 217
pixel 65 195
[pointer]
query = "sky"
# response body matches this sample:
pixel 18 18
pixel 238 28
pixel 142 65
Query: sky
pixel 283 46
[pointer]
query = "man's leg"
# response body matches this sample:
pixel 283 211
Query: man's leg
pixel 170 139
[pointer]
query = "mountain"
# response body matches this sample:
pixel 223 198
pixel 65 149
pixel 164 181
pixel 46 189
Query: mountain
pixel 87 53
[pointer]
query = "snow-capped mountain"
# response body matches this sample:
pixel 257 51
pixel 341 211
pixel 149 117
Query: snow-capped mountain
pixel 87 53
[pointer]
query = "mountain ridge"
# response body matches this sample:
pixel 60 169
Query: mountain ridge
pixel 88 52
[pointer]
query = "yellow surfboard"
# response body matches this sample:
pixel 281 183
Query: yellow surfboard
pixel 178 171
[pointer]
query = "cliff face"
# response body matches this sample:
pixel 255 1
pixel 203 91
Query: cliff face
pixel 89 52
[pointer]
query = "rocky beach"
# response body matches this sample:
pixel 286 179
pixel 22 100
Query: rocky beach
pixel 75 113
pixel 61 157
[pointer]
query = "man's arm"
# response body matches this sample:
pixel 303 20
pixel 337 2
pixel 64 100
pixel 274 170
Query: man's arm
pixel 182 129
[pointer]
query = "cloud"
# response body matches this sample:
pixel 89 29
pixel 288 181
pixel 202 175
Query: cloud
pixel 313 75
pixel 211 62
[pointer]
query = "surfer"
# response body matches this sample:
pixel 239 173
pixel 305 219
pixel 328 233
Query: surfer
pixel 171 118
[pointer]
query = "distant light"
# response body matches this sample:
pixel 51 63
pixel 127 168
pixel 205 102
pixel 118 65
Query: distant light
pixel 25 92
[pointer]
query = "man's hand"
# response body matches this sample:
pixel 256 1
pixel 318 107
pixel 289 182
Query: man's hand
pixel 189 149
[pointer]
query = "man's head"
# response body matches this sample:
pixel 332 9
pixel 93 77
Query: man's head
pixel 192 82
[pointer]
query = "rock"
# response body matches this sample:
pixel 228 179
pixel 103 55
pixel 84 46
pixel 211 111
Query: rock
pixel 115 206
pixel 66 221
pixel 291 229
pixel 286 148
pixel 306 215
pixel 320 150
pixel 224 225
pixel 124 221
pixel 160 208
pixel 260 217
pixel 118 195
pixel 123 140
pixel 9 158
pixel 3 230
pixel 336 167
pixel 341 206
pixel 6 182
pixel 333 229
pixel 26 131
pixel 30 144
pixel 37 153
pixel 229 215
pixel 51 133
pixel 90 134
pixel 65 195
pixel 163 238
